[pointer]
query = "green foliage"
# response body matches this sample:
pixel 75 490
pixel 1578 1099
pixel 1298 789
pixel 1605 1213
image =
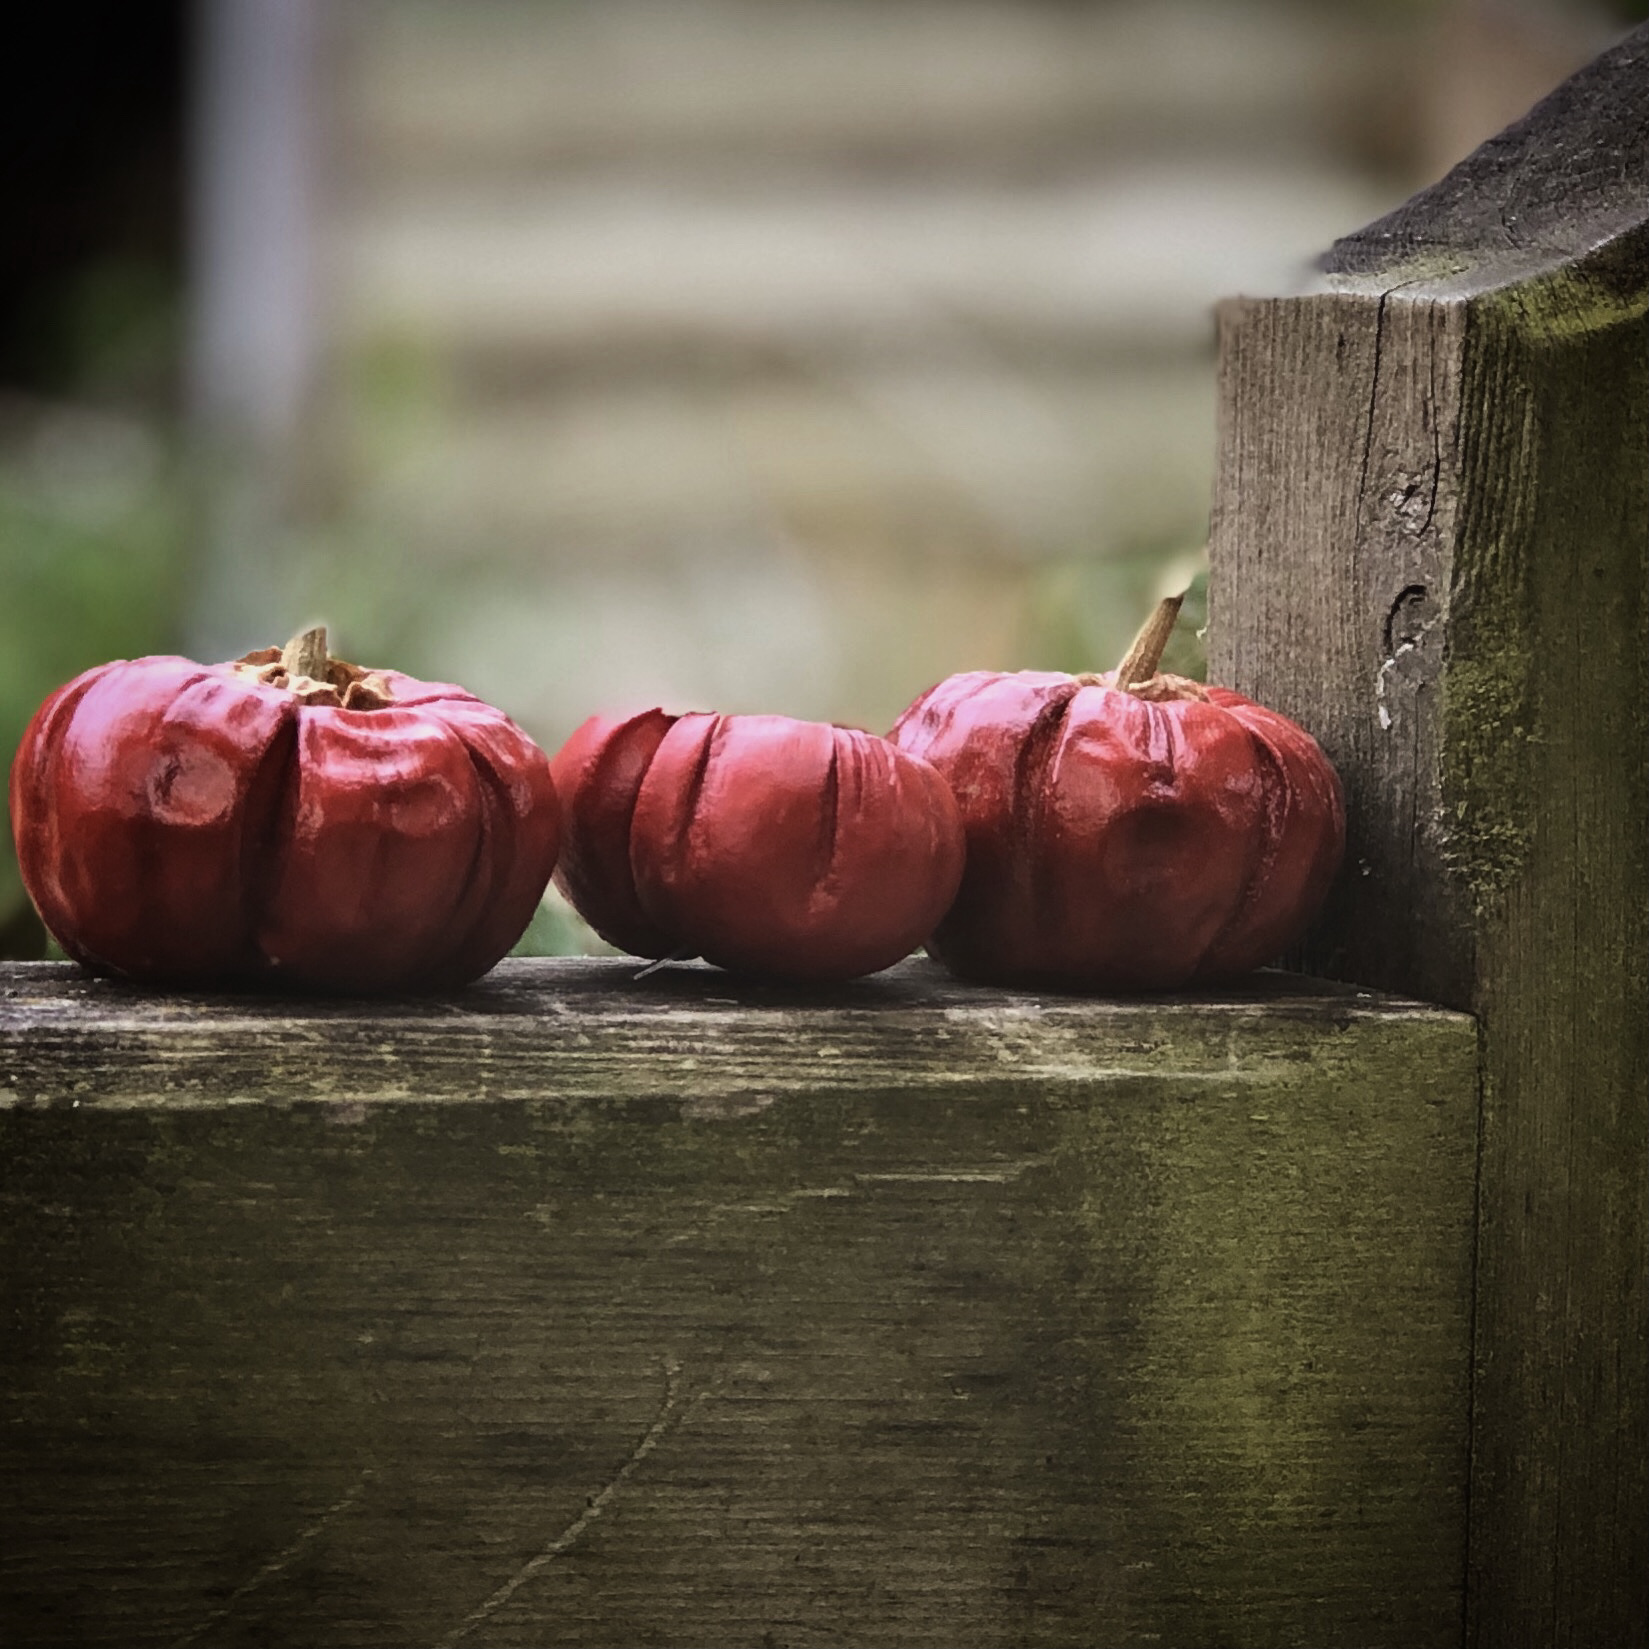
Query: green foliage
pixel 92 536
pixel 118 329
pixel 558 930
pixel 1084 613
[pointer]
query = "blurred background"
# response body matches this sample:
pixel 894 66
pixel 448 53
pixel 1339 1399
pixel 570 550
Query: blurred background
pixel 733 354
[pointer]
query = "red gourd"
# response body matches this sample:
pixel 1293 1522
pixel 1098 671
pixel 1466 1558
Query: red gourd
pixel 287 817
pixel 768 846
pixel 1127 831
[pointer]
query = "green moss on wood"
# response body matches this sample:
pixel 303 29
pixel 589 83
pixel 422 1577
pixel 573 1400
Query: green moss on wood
pixel 1488 727
pixel 1489 706
pixel 1506 643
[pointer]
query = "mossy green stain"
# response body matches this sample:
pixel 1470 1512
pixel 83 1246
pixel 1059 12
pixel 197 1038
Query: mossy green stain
pixel 1489 708
pixel 1492 718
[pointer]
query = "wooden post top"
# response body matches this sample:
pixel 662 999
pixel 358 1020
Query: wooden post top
pixel 1567 179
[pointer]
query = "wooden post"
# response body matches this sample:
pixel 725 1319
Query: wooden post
pixel 1429 540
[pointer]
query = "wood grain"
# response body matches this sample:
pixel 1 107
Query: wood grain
pixel 577 1309
pixel 1430 540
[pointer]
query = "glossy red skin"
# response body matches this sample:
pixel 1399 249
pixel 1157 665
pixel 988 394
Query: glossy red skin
pixel 182 823
pixel 598 774
pixel 769 846
pixel 1116 843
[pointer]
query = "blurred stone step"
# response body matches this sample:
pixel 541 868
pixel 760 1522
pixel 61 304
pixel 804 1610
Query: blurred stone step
pixel 1026 462
pixel 498 84
pixel 567 270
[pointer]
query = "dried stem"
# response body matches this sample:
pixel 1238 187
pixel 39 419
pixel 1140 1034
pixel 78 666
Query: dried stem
pixel 1140 662
pixel 304 667
pixel 305 655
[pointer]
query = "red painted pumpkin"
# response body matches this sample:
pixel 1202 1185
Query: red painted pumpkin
pixel 766 845
pixel 1131 831
pixel 287 817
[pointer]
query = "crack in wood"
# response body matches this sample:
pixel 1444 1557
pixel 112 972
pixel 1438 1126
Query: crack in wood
pixel 1373 401
pixel 282 1561
pixel 1430 411
pixel 1005 1173
pixel 671 1409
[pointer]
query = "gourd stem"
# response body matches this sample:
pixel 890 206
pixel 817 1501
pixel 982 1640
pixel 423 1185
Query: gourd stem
pixel 1140 662
pixel 305 655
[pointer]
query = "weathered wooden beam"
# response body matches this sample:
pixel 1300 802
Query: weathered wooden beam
pixel 1429 541
pixel 582 1309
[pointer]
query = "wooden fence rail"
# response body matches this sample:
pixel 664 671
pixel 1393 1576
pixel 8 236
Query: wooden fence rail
pixel 581 1310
